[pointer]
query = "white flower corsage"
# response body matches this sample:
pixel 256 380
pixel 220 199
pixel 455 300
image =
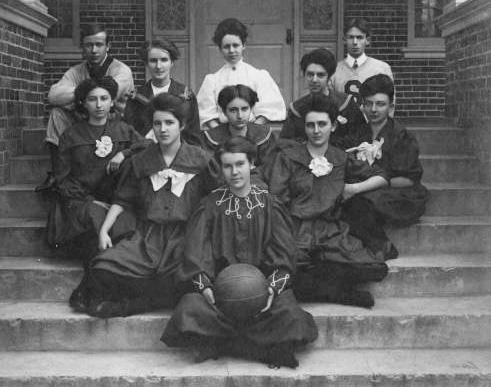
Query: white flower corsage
pixel 342 120
pixel 104 146
pixel 320 166
pixel 368 152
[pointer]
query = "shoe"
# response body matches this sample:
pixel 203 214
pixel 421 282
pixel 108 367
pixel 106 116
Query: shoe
pixel 77 301
pixel 390 251
pixel 281 355
pixel 353 297
pixel 202 353
pixel 47 185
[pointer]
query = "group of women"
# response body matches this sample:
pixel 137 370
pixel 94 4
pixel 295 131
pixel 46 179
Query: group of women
pixel 185 186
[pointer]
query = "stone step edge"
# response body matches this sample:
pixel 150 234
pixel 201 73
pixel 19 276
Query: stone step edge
pixel 370 366
pixel 478 306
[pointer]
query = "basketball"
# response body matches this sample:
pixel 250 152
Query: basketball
pixel 241 291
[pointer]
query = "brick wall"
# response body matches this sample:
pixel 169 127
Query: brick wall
pixel 420 83
pixel 469 88
pixel 21 89
pixel 126 21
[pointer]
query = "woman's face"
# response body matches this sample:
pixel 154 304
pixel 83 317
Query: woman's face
pixel 166 128
pixel 316 76
pixel 236 169
pixel 232 48
pixel 159 64
pixel 238 112
pixel 318 128
pixel 98 103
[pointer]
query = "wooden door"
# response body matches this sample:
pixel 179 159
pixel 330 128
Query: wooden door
pixel 268 47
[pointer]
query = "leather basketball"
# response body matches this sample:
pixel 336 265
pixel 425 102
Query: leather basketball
pixel 241 291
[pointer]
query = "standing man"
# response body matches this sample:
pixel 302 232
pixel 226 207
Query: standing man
pixel 97 63
pixel 357 66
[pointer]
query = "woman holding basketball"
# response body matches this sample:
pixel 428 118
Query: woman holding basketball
pixel 240 223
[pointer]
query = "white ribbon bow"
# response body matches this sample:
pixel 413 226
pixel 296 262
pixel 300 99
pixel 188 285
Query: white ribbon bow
pixel 151 136
pixel 179 180
pixel 368 152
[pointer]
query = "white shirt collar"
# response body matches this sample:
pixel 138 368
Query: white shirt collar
pixel 360 60
pixel 240 63
pixel 159 90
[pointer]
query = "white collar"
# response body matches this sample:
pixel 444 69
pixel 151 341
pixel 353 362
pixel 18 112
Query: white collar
pixel 159 90
pixel 229 66
pixel 360 60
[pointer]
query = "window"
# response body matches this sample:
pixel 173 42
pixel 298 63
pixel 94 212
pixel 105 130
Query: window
pixel 64 36
pixel 424 35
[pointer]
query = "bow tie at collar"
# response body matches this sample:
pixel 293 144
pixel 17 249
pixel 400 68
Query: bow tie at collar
pixel 178 180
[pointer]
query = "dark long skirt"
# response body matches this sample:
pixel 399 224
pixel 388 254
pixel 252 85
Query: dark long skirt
pixel 285 322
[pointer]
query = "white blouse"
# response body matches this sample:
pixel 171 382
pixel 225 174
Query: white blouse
pixel 270 104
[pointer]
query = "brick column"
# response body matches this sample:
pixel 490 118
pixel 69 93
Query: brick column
pixel 23 27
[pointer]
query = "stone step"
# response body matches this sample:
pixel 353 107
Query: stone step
pixel 20 200
pixel 455 199
pixel 424 275
pixel 449 168
pixel 440 322
pixel 29 169
pixel 439 139
pixel 337 368
pixel 23 237
pixel 444 234
pixel 33 141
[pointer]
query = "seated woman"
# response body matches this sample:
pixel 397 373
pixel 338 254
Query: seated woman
pixel 317 67
pixel 312 179
pixel 385 143
pixel 240 223
pixel 165 181
pixel 88 160
pixel 230 37
pixel 237 103
pixel 159 57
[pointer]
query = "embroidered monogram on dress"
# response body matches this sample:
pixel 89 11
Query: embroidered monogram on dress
pixel 228 196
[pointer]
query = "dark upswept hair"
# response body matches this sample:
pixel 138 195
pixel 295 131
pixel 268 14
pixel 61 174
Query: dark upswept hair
pixel 229 93
pixel 321 103
pixel 237 144
pixel 230 26
pixel 380 83
pixel 92 29
pixel 360 23
pixel 322 57
pixel 163 44
pixel 86 86
pixel 167 102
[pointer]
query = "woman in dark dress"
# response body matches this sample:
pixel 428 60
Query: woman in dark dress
pixel 317 67
pixel 385 143
pixel 159 57
pixel 237 102
pixel 87 166
pixel 240 223
pixel 312 179
pixel 164 183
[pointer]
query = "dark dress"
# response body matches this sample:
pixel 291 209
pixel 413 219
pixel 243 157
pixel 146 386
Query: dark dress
pixel 151 256
pixel 335 259
pixel 226 230
pixel 134 112
pixel 294 125
pixel 82 178
pixel 367 213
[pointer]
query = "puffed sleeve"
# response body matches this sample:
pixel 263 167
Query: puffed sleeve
pixel 403 158
pixel 127 193
pixel 124 78
pixel 62 93
pixel 198 256
pixel 192 132
pixel 358 170
pixel 207 100
pixel 277 175
pixel 271 104
pixel 281 253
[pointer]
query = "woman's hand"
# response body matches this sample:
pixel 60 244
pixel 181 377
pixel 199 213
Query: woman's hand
pixel 115 162
pixel 270 300
pixel 105 241
pixel 349 191
pixel 208 294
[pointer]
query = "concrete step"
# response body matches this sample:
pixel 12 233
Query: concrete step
pixel 449 168
pixel 20 200
pixel 456 199
pixel 424 275
pixel 439 139
pixel 29 169
pixel 444 234
pixel 440 322
pixel 23 237
pixel 337 368
pixel 33 141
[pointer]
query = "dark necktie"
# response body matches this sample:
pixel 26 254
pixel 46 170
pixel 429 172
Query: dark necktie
pixel 355 65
